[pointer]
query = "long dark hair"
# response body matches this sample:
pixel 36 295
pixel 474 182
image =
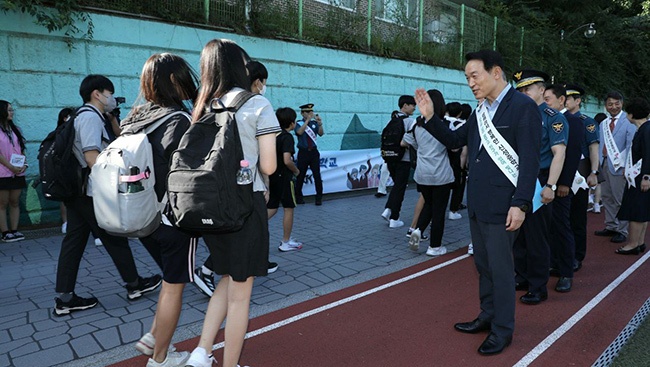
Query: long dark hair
pixel 167 80
pixel 223 67
pixel 6 122
pixel 438 102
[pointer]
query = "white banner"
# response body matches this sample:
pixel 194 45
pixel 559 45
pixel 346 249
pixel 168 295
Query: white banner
pixel 346 170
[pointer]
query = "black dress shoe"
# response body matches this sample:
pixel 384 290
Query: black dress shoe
pixel 577 265
pixel 618 238
pixel 521 286
pixel 642 248
pixel 605 233
pixel 533 298
pixel 634 251
pixel 319 202
pixel 473 327
pixel 379 195
pixel 564 285
pixel 494 344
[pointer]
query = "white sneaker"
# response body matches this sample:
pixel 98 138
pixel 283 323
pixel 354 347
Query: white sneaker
pixel 199 358
pixel 146 344
pixel 414 240
pixel 470 249
pixel 289 246
pixel 436 251
pixel 64 227
pixel 596 208
pixel 295 243
pixel 386 214
pixel 173 359
pixel 395 223
pixel 454 215
pixel 98 242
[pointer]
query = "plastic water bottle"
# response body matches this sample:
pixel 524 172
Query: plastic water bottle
pixel 134 186
pixel 244 175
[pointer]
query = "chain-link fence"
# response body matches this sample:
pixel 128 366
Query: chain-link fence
pixel 437 32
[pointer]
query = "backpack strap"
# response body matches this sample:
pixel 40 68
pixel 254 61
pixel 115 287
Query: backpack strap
pixel 236 103
pixel 151 128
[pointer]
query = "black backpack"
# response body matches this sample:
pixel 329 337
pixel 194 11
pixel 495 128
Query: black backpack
pixel 202 182
pixel 62 177
pixel 391 137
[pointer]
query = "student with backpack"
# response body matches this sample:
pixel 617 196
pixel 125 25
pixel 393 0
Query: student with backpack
pixel 397 158
pixel 90 137
pixel 242 255
pixel 167 84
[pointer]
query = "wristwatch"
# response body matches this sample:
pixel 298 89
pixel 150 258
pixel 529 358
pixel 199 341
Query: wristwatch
pixel 595 172
pixel 552 187
pixel 524 208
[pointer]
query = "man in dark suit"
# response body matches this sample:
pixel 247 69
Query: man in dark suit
pixel 496 207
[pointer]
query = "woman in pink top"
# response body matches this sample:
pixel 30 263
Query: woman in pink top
pixel 12 172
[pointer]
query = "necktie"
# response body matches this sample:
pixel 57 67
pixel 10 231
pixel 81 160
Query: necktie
pixel 612 125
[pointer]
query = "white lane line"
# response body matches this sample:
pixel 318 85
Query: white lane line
pixel 344 300
pixel 557 334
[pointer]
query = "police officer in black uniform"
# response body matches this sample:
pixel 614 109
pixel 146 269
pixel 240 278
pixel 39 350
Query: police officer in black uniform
pixel 308 155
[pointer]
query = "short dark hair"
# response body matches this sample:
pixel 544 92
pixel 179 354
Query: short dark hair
pixel 600 116
pixel 614 95
pixel 286 116
pixel 257 70
pixel 405 99
pixel 63 114
pixel 557 89
pixel 94 82
pixel 490 58
pixel 638 107
pixel 467 111
pixel 453 108
pixel 438 102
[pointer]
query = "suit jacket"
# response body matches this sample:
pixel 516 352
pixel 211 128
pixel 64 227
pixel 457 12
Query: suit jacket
pixel 623 134
pixel 573 149
pixel 489 192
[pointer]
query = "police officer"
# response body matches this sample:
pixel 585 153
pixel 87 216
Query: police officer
pixel 531 248
pixel 588 168
pixel 308 130
pixel 562 239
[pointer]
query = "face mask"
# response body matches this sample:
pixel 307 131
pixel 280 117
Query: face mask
pixel 188 105
pixel 110 104
pixel 263 90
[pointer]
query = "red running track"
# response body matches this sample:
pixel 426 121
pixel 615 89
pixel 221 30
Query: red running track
pixel 409 321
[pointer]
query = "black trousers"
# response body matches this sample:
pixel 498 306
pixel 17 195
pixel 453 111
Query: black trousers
pixel 579 204
pixel 311 159
pixel 460 179
pixel 531 248
pixel 435 206
pixel 81 221
pixel 562 242
pixel 399 172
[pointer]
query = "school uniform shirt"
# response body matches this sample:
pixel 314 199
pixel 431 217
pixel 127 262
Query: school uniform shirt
pixel 9 145
pixel 255 118
pixel 555 130
pixel 408 125
pixel 433 168
pixel 90 135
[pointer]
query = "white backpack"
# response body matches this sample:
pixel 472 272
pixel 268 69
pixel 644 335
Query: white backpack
pixel 122 206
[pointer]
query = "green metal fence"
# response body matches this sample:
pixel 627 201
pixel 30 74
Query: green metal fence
pixel 437 32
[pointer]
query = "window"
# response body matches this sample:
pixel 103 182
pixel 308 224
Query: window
pixel 397 11
pixel 349 4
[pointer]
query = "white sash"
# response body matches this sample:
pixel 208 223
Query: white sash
pixel 613 154
pixel 631 171
pixel 579 182
pixel 497 147
pixel 310 133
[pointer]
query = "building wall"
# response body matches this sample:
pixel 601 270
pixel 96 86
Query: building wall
pixel 354 93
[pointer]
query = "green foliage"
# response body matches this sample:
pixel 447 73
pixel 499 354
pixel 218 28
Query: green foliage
pixel 59 15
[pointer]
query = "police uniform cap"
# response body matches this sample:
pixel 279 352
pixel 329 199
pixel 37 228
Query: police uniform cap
pixel 307 107
pixel 574 90
pixel 526 77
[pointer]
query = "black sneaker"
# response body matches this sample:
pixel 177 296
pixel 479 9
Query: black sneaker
pixel 18 236
pixel 75 304
pixel 272 267
pixel 205 283
pixel 145 285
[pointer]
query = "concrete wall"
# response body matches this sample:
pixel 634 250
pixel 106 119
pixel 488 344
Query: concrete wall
pixel 353 93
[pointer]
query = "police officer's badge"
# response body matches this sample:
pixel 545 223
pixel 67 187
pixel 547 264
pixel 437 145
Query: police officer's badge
pixel 558 127
pixel 591 128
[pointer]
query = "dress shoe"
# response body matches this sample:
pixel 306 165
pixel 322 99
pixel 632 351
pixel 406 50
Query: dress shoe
pixel 618 238
pixel 533 298
pixel 577 265
pixel 564 284
pixel 642 248
pixel 473 327
pixel 605 233
pixel 380 195
pixel 554 272
pixel 634 251
pixel 521 286
pixel 319 202
pixel 494 344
